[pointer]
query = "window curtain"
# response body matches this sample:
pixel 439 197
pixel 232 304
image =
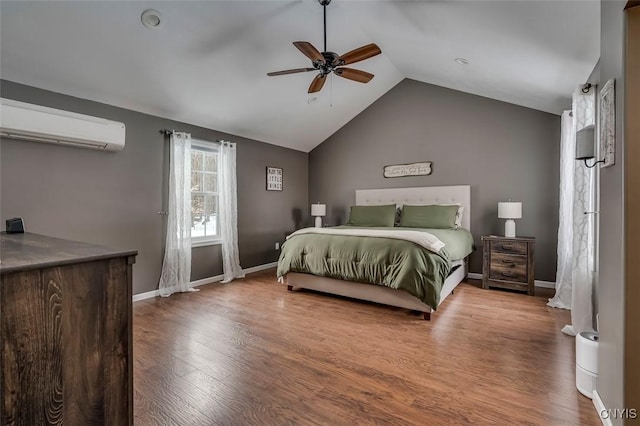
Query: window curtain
pixel 176 266
pixel 562 298
pixel 574 279
pixel 228 212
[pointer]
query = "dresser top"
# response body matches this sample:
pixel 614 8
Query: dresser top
pixel 21 252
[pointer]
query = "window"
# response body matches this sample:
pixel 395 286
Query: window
pixel 205 228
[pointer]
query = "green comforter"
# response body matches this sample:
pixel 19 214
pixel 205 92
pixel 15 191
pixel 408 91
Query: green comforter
pixel 390 262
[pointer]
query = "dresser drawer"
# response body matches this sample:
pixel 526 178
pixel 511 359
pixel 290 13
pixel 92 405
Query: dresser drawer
pixel 508 267
pixel 509 247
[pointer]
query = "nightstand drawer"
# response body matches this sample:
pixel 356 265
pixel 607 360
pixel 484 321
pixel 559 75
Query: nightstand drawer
pixel 508 267
pixel 509 247
pixel 508 259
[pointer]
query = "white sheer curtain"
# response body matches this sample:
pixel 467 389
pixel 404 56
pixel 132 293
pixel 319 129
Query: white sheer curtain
pixel 176 267
pixel 228 211
pixel 574 281
pixel 562 298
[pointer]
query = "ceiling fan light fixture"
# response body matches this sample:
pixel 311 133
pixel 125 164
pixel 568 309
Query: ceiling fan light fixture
pixel 462 61
pixel 327 62
pixel 151 19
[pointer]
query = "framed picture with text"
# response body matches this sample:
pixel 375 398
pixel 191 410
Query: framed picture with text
pixel 274 179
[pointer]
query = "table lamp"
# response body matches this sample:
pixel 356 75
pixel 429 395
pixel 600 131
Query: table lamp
pixel 318 210
pixel 510 210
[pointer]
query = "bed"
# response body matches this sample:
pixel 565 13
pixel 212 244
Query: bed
pixel 446 271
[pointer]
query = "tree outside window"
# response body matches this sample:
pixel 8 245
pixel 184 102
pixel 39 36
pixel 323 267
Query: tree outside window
pixel 204 193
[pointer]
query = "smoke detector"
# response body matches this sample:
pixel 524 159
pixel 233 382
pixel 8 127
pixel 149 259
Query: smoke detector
pixel 151 19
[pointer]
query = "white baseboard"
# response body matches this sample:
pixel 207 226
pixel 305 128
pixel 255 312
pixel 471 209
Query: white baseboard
pixel 544 284
pixel 597 402
pixel 537 283
pixel 155 293
pixel 260 268
pixel 146 295
pixel 209 280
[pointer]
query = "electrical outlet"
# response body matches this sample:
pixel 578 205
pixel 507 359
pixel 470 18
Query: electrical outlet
pixel 277 246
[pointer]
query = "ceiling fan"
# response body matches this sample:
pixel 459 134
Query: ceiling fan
pixel 327 62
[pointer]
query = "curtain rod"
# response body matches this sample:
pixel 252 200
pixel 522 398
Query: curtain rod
pixel 167 132
pixel 586 87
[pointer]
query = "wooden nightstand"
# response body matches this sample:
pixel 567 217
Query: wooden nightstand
pixel 508 263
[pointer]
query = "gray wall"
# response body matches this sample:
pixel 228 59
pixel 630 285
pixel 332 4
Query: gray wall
pixel 112 198
pixel 611 260
pixel 502 150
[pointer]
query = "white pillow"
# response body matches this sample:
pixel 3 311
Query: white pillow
pixel 459 216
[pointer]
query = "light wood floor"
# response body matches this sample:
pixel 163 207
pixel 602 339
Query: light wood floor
pixel 251 352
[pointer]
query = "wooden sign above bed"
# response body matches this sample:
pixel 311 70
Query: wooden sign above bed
pixel 413 169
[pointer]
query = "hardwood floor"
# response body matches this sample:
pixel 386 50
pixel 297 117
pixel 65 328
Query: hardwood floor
pixel 252 352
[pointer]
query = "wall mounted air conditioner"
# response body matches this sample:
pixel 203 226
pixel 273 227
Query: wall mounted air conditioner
pixel 20 120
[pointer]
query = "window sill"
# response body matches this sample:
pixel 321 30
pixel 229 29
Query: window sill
pixel 205 243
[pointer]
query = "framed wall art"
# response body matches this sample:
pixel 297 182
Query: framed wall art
pixel 274 179
pixel 413 169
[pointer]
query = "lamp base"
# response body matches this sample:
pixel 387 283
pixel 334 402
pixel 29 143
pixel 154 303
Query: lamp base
pixel 318 222
pixel 510 228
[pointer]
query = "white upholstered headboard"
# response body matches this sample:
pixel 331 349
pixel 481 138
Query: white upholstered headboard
pixel 420 195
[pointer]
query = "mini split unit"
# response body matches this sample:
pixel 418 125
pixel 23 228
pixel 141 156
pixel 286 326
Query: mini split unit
pixel 20 120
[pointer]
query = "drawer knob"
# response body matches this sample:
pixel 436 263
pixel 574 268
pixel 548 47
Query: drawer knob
pixel 508 261
pixel 507 274
pixel 505 247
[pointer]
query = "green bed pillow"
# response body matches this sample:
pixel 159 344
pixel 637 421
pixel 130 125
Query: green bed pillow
pixel 430 216
pixel 372 215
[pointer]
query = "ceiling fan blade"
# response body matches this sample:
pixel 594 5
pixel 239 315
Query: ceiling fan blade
pixel 359 54
pixel 353 74
pixel 309 51
pixel 292 71
pixel 317 83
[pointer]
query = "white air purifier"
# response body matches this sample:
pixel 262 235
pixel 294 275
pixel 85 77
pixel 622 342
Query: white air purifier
pixel 586 362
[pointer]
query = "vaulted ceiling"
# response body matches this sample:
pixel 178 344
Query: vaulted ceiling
pixel 207 62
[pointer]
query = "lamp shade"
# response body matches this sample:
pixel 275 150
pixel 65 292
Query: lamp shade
pixel 510 210
pixel 318 209
pixel 585 143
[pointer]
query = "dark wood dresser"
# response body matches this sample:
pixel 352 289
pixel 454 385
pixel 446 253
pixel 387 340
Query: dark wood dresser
pixel 65 314
pixel 508 263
